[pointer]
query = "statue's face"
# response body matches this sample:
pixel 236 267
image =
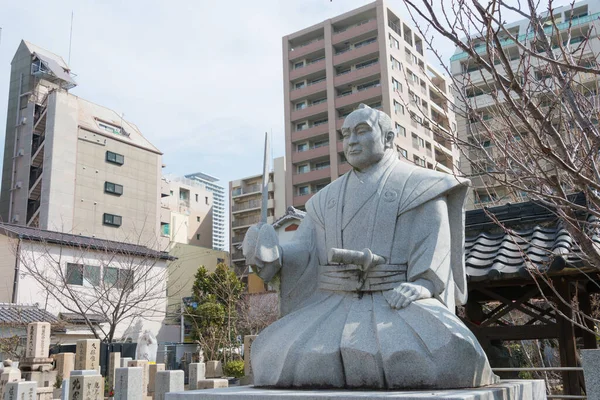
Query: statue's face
pixel 363 140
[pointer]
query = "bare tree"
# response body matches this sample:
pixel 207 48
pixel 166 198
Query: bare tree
pixel 257 311
pixel 110 286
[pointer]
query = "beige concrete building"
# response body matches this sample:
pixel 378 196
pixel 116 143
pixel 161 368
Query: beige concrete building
pixel 182 272
pixel 582 20
pixel 71 165
pixel 245 210
pixel 369 55
pixel 186 214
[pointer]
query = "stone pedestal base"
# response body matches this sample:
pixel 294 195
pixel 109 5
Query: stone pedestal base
pixel 36 364
pixel 43 378
pixel 505 390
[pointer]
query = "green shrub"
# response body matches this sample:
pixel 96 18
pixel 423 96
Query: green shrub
pixel 234 369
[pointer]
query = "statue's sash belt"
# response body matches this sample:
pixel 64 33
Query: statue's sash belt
pixel 347 278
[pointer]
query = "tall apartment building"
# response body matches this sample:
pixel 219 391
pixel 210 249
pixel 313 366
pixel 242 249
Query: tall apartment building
pixel 218 207
pixel 583 21
pixel 369 55
pixel 246 202
pixel 186 212
pixel 71 165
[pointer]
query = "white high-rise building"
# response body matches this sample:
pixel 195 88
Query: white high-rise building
pixel 218 191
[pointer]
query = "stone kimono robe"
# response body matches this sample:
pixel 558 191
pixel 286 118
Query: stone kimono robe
pixel 340 332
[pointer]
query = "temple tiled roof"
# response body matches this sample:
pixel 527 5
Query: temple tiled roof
pixel 16 314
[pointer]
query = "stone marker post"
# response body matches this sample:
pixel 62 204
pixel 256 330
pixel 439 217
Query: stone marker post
pixel 168 381
pixel 20 391
pixel 128 383
pixel 152 370
pixel 88 387
pixel 248 340
pixel 38 340
pixel 65 363
pixel 144 365
pixel 197 372
pixel 214 369
pixel 87 354
pixel 10 374
pixel 125 361
pixel 114 362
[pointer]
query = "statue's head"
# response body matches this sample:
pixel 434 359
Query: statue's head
pixel 368 135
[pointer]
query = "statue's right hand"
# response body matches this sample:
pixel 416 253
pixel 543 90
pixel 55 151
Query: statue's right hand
pixel 261 246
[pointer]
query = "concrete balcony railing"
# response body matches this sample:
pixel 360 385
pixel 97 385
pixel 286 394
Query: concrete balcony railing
pixel 249 189
pixel 300 156
pixel 237 239
pixel 317 130
pixel 301 200
pixel 371 48
pixel 239 222
pixel 247 205
pixel 355 30
pixel 308 90
pixel 356 74
pixel 308 69
pixel 309 111
pixel 358 97
pixel 314 175
pixel 300 51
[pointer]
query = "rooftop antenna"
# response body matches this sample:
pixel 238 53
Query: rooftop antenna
pixel 70 39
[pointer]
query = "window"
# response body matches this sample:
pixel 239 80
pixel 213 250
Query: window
pixel 301 147
pixel 303 190
pixel 398 108
pixel 83 275
pixel 402 152
pixel 118 278
pixel 113 188
pixel 364 42
pixel 400 130
pixel 322 165
pixel 197 219
pixel 301 126
pixel 196 197
pixel 304 168
pixel 366 64
pixel 184 195
pixel 299 85
pixel 299 65
pixel 117 130
pixel 395 63
pixel 220 260
pixel 206 199
pixel 314 81
pixel 115 158
pixel 74 274
pixel 321 143
pixel 170 193
pixel 394 44
pixel 396 85
pixel 165 229
pixel 112 220
pixel 300 106
pixel 368 85
pixel 318 101
pixel 419 161
pixel 197 236
pixel 320 122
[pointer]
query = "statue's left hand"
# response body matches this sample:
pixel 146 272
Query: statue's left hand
pixel 406 293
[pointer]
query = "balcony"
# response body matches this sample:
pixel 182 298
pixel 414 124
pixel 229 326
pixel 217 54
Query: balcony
pixel 358 97
pixel 361 28
pixel 308 69
pixel 249 189
pixel 300 156
pixel 351 76
pixel 314 175
pixel 237 239
pixel 247 221
pixel 250 205
pixel 301 200
pixel 237 255
pixel 343 168
pixel 306 48
pixel 309 111
pixel 371 48
pixel 316 130
pixel 308 90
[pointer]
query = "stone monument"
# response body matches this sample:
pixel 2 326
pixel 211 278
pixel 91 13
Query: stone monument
pixel 87 354
pixel 38 345
pixel 369 285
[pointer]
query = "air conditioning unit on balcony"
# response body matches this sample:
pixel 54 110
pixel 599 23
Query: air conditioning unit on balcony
pixel 15 218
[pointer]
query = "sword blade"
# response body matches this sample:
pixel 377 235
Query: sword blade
pixel 265 182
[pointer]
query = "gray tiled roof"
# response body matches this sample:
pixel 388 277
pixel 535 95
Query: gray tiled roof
pixel 290 213
pixel 15 314
pixel 84 242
